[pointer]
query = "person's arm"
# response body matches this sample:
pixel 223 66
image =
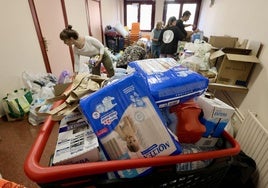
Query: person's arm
pixel 187 25
pixel 194 28
pixel 76 62
pixel 99 46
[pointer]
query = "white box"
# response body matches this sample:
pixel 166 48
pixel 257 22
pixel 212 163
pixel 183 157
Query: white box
pixel 77 143
pixel 216 115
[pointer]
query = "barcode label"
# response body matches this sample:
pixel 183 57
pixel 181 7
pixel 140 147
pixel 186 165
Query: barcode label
pixel 77 144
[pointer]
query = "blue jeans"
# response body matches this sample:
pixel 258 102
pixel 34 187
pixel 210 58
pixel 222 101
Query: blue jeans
pixel 155 51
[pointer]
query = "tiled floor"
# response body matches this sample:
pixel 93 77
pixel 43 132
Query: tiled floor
pixel 16 139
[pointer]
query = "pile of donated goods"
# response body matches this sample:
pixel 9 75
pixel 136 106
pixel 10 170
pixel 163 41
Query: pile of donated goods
pixel 158 108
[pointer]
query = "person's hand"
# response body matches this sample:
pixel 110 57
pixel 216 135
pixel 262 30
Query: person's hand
pixel 97 63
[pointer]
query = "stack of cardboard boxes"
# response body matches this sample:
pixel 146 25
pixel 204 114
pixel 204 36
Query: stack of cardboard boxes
pixel 234 62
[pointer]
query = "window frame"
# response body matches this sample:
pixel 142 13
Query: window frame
pixel 182 2
pixel 140 2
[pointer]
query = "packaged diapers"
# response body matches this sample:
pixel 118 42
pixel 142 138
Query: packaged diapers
pixel 128 123
pixel 169 82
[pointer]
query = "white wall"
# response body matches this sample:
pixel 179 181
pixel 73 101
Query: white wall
pixel 112 12
pixel 245 19
pixel 77 15
pixel 159 4
pixel 19 49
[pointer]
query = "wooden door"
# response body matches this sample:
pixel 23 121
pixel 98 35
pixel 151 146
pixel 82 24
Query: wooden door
pixel 49 22
pixel 94 19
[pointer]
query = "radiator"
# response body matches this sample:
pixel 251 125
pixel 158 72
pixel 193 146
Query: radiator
pixel 253 139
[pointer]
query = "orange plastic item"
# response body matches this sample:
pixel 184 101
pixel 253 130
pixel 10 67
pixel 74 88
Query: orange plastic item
pixel 188 129
pixel 134 34
pixel 9 184
pixel 135 28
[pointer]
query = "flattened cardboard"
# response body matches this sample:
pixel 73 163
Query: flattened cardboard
pixel 60 88
pixel 244 58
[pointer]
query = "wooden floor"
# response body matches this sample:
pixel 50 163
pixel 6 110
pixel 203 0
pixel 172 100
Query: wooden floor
pixel 16 139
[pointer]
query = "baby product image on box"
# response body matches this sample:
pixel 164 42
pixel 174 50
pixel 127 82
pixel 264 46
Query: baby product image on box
pixel 169 82
pixel 128 123
pixel 77 143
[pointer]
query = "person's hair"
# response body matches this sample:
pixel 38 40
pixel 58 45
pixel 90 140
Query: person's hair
pixel 68 33
pixel 170 21
pixel 186 13
pixel 159 23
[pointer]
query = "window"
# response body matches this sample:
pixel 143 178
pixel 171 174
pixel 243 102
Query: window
pixel 172 10
pixel 177 7
pixel 141 11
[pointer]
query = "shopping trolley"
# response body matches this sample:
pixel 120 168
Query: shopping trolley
pixel 164 174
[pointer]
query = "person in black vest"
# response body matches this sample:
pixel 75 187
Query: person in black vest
pixel 169 38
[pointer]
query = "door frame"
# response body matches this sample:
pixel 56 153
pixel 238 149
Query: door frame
pixel 40 35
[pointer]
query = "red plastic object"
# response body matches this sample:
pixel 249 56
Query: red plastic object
pixel 46 174
pixel 189 129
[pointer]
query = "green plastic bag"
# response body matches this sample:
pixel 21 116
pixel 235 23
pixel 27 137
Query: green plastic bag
pixel 17 104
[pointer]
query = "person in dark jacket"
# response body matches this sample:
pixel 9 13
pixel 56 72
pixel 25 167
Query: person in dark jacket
pixel 169 38
pixel 180 24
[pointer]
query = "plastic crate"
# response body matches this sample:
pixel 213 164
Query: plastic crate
pixel 164 175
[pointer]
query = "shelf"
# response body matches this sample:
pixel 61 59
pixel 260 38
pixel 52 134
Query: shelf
pixel 225 87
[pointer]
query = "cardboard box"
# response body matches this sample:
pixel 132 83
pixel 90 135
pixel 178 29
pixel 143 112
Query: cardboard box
pixel 223 41
pixel 216 115
pixel 233 69
pixel 77 143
